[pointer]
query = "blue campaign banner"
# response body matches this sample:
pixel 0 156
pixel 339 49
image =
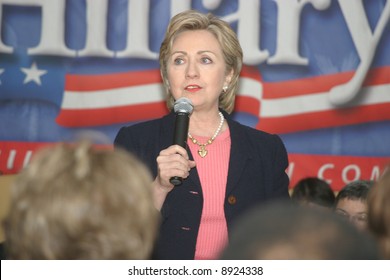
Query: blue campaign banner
pixel 317 72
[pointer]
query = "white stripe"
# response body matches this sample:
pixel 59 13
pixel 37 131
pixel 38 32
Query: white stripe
pixel 282 107
pixel 11 159
pixel 134 95
pixel 251 88
pixel 279 107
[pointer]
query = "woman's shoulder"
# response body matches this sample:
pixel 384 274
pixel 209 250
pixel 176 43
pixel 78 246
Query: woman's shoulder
pixel 148 125
pixel 143 133
pixel 254 138
pixel 239 128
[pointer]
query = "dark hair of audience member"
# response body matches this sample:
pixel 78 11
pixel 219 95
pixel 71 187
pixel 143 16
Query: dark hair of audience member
pixel 351 203
pixel 312 191
pixel 356 190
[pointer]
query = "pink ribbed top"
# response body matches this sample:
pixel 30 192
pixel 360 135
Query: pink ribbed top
pixel 213 171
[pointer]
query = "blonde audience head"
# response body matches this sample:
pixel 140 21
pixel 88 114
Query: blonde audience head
pixel 77 202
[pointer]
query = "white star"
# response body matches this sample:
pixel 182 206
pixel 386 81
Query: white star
pixel 1 72
pixel 33 74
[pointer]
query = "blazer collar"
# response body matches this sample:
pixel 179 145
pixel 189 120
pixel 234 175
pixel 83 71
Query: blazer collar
pixel 240 152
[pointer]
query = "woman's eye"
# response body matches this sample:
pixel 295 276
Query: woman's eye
pixel 206 60
pixel 178 61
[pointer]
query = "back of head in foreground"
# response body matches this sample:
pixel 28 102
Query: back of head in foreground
pixel 283 231
pixel 379 212
pixel 76 202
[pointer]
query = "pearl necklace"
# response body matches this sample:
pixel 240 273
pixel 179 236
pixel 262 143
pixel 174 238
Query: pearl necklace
pixel 202 147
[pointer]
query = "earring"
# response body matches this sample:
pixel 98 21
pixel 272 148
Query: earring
pixel 224 89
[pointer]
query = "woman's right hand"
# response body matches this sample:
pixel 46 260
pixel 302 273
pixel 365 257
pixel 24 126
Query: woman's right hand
pixel 173 161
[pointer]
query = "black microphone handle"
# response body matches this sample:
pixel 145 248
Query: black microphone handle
pixel 180 138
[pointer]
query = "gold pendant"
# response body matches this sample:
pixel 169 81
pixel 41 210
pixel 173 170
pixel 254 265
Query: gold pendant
pixel 202 151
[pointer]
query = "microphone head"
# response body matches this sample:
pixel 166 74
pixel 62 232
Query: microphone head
pixel 183 105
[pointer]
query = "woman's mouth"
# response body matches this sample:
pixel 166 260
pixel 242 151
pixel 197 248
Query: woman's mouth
pixel 192 88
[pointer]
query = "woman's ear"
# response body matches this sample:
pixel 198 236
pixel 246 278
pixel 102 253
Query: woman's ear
pixel 229 77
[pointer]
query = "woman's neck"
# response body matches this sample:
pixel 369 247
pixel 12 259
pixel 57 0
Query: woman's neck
pixel 205 125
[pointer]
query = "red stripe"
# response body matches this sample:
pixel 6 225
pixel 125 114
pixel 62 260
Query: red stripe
pixel 324 83
pixel 84 82
pixel 107 116
pixel 330 118
pixel 247 104
pixel 251 72
pixel 77 82
pixel 21 149
pixel 337 170
pixel 122 114
pixel 305 121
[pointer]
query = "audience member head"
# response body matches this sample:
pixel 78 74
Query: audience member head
pixel 379 212
pixel 351 202
pixel 77 202
pixel 313 192
pixel 282 231
pixel 192 20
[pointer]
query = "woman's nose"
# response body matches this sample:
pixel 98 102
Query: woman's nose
pixel 192 70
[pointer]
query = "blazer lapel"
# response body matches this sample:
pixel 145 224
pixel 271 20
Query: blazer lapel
pixel 194 176
pixel 239 155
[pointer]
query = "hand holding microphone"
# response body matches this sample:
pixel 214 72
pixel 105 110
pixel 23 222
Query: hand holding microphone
pixel 183 108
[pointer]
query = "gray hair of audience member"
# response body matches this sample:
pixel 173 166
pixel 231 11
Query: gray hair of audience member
pixel 379 212
pixel 284 231
pixel 78 202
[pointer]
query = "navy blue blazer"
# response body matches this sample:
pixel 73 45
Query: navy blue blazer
pixel 256 174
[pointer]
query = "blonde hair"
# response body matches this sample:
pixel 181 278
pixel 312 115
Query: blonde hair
pixel 192 20
pixel 76 202
pixel 378 202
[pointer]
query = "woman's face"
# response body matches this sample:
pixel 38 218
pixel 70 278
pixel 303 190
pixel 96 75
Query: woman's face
pixel 354 210
pixel 196 69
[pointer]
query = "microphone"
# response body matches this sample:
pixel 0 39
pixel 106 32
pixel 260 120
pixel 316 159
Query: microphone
pixel 183 109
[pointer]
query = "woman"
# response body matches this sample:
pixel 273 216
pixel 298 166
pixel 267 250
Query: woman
pixel 227 167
